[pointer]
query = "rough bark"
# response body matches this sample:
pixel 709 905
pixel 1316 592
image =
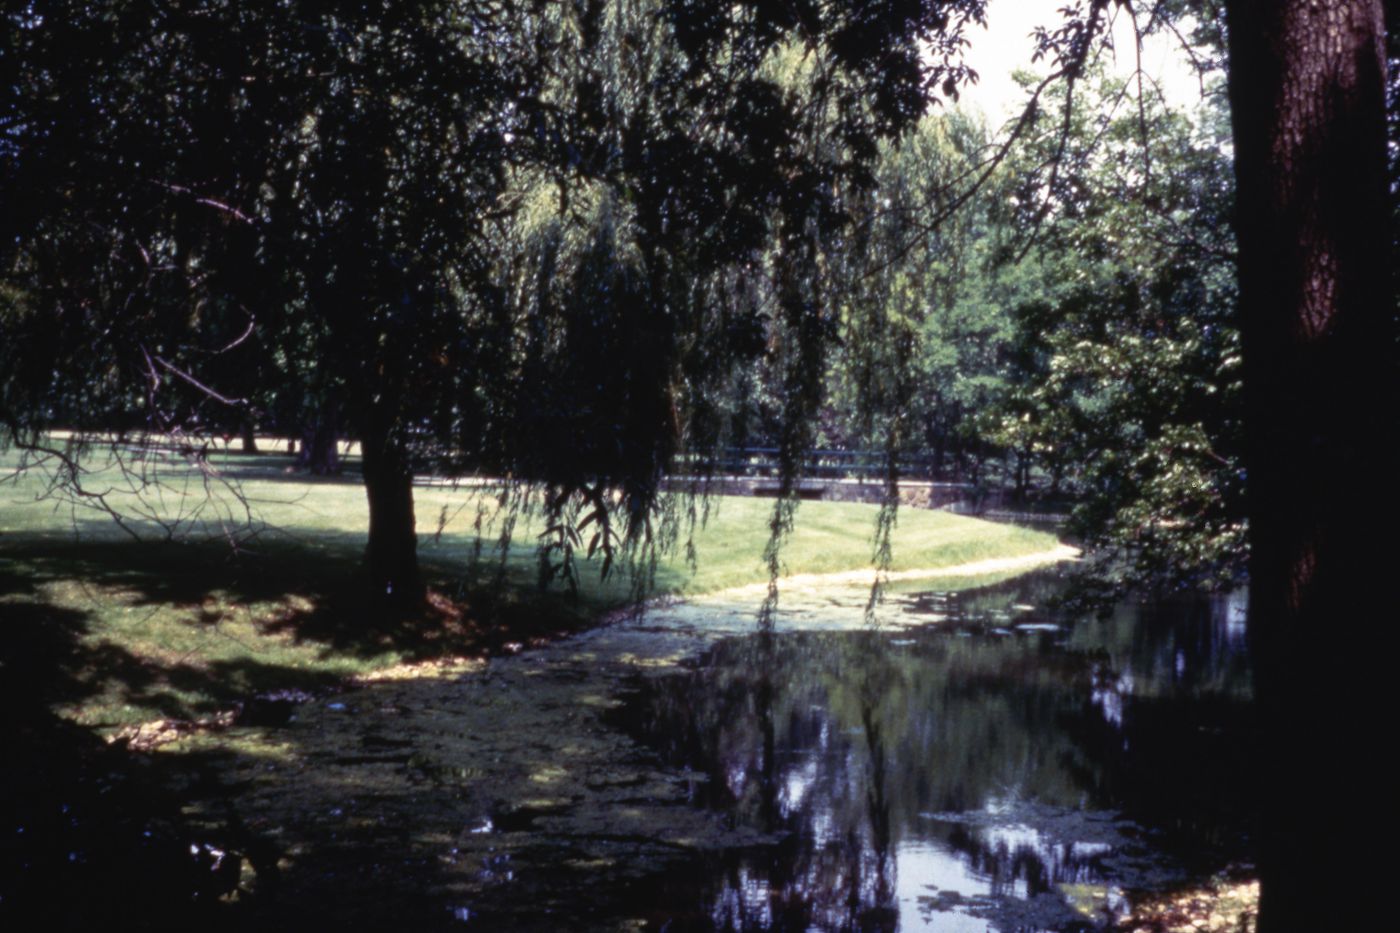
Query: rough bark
pixel 1307 84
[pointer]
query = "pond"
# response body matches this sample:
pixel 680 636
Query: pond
pixel 976 762
pixel 970 761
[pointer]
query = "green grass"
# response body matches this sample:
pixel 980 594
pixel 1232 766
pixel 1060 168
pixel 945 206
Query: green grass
pixel 209 608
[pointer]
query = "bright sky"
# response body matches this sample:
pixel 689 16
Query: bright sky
pixel 1006 46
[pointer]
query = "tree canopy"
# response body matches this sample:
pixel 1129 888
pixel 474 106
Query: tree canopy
pixel 312 209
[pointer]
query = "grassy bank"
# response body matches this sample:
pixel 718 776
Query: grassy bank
pixel 244 580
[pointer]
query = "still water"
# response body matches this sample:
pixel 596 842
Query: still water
pixel 981 763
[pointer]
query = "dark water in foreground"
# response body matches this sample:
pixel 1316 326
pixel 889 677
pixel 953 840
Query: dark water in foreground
pixel 999 768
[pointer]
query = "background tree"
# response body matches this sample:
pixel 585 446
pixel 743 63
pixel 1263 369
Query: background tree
pixel 1126 361
pixel 1067 328
pixel 311 181
pixel 921 324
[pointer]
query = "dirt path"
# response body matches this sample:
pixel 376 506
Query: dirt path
pixel 866 576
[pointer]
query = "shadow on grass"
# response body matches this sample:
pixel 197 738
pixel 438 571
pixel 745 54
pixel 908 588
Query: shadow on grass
pixel 85 828
pixel 92 828
pixel 183 631
pixel 306 591
pixel 90 825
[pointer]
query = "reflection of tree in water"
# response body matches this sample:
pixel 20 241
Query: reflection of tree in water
pixel 853 745
pixel 835 869
pixel 877 678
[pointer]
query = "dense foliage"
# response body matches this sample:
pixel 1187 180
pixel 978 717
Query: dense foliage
pixel 1063 332
pixel 1127 348
pixel 576 243
pixel 303 213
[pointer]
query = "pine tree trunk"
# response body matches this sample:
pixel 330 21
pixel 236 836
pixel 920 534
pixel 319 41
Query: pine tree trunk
pixel 1307 83
pixel 391 554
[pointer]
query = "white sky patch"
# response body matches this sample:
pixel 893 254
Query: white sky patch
pixel 1005 46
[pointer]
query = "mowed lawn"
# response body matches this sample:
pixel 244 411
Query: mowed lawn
pixel 244 580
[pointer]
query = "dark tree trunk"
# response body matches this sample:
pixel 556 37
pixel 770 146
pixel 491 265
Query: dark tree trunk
pixel 940 451
pixel 1023 474
pixel 318 454
pixel 250 437
pixel 1307 82
pixel 391 555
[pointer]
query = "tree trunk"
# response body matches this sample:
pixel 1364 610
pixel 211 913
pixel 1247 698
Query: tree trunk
pixel 318 453
pixel 1307 83
pixel 391 555
pixel 250 437
pixel 940 450
pixel 1023 473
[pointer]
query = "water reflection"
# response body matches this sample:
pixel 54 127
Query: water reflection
pixel 1000 768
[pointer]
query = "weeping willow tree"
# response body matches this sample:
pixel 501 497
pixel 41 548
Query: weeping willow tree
pixel 707 164
pixel 326 196
pixel 696 244
pixel 301 192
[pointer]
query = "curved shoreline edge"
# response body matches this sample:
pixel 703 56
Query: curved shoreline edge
pixel 866 576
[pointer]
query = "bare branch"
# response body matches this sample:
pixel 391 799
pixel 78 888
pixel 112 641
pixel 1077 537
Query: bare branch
pixel 168 367
pixel 252 325
pixel 1141 99
pixel 209 202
